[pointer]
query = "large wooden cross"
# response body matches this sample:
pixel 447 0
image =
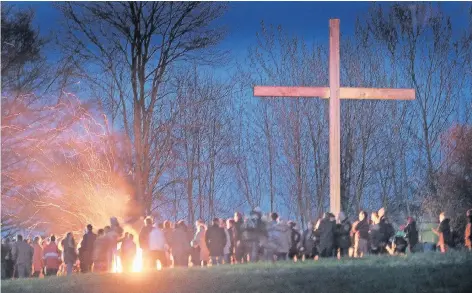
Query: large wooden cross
pixel 334 92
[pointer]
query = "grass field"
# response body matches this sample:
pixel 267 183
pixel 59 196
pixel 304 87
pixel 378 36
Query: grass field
pixel 429 272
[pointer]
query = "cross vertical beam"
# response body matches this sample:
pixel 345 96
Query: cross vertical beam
pixel 334 119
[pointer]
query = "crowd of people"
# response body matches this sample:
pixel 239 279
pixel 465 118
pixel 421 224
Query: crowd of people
pixel 231 241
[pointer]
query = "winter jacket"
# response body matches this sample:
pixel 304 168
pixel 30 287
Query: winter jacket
pixel 199 240
pixel 69 253
pixel 38 263
pixel 375 237
pixel 295 239
pixel 308 241
pixel 180 242
pixel 215 239
pixel 386 230
pixel 411 233
pixel 22 253
pixel 254 228
pixel 52 256
pixel 86 246
pixel 445 235
pixel 467 234
pixel 157 240
pixel 144 237
pixel 343 230
pixel 6 252
pixel 279 237
pixel 326 231
pixel 360 229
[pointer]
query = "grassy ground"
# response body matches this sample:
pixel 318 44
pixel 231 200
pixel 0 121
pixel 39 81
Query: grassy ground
pixel 417 273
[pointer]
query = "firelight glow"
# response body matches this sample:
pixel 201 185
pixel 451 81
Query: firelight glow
pixel 137 263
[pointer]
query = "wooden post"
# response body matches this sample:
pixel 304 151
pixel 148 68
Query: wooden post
pixel 334 119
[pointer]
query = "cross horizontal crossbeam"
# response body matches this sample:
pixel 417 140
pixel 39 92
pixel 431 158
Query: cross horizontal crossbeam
pixel 344 92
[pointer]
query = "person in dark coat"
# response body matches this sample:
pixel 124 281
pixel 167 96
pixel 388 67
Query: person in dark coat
pixel 7 260
pixel 386 230
pixel 360 231
pixel 86 250
pixel 254 234
pixel 326 231
pixel 144 242
pixel 375 234
pixel 295 240
pixel 180 244
pixel 237 237
pixel 100 250
pixel 343 230
pixel 411 234
pixel 444 233
pixel 69 252
pixel 215 239
pixel 230 229
pixel 308 242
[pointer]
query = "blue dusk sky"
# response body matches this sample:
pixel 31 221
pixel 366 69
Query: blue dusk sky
pixel 305 19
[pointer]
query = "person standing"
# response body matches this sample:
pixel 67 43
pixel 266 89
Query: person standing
pixel 308 242
pixel 215 239
pixel 100 253
pixel 199 243
pixel 360 230
pixel 230 229
pixel 343 230
pixel 253 232
pixel 468 231
pixel 69 253
pixel 144 242
pixel 86 250
pixel 168 231
pixel 375 234
pixel 386 229
pixel 238 239
pixel 295 238
pixel 7 260
pixel 38 263
pixel 22 254
pixel 52 257
pixel 326 231
pixel 180 244
pixel 411 234
pixel 444 233
pixel 115 234
pixel 128 253
pixel 157 247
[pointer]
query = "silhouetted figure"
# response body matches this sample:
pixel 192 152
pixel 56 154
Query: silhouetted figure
pixel 411 234
pixel 215 239
pixel 86 250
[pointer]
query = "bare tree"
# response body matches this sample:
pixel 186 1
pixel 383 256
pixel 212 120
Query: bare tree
pixel 134 45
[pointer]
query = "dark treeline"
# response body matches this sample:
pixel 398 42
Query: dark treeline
pixel 131 118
